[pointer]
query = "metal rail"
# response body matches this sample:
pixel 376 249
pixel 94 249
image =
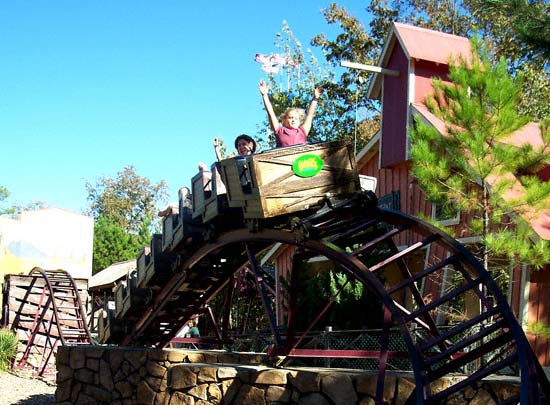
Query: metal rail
pixel 377 248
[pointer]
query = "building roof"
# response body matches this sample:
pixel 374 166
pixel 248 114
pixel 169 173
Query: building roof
pixel 419 44
pixel 434 46
pixel 108 277
pixel 529 133
pixel 363 156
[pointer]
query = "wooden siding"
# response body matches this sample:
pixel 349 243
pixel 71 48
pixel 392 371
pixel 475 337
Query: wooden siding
pixel 424 72
pixel 539 312
pixel 516 291
pixel 395 108
pixel 283 266
pixel 412 201
pixel 398 179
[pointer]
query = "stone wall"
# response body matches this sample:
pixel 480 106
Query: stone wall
pixel 113 375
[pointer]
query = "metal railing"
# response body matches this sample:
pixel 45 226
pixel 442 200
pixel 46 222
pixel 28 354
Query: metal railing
pixel 361 340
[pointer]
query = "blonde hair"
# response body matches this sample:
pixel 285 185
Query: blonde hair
pixel 301 113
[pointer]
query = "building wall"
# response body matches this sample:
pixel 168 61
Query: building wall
pixel 539 312
pixel 412 200
pixel 397 179
pixel 424 72
pixel 394 111
pixel 50 238
pixel 283 265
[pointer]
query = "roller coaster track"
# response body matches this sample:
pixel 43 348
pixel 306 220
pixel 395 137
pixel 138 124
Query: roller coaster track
pixel 59 320
pixel 380 249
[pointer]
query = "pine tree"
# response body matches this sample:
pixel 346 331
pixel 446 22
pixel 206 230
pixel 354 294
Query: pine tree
pixel 472 168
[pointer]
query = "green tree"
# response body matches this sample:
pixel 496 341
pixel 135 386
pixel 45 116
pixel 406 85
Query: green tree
pixel 126 200
pixel 123 209
pixel 4 194
pixel 359 44
pixel 472 168
pixel 318 288
pixel 113 244
pixel 15 209
pixel 337 112
pixel 502 28
pixel 530 20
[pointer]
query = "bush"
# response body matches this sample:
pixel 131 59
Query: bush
pixel 8 348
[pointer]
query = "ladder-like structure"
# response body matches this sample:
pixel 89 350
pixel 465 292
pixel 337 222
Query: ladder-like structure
pixel 59 320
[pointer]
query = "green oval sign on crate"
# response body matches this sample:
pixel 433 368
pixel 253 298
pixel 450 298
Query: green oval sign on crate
pixel 307 165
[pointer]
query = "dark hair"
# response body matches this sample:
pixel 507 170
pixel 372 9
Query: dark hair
pixel 247 139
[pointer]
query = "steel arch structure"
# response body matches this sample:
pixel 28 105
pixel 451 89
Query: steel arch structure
pixel 376 247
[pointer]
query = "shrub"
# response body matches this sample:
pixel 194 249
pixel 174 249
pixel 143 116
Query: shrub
pixel 8 348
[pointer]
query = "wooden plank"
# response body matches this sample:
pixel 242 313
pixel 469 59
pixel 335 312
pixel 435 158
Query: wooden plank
pixel 201 190
pixel 104 332
pixel 540 279
pixel 230 171
pixel 23 300
pixel 120 295
pixel 143 259
pixel 24 281
pixel 160 265
pixel 20 300
pixel 39 341
pixel 28 325
pixel 323 179
pixel 169 224
pixel 271 173
pixel 252 209
pixel 189 230
pixel 30 311
pixel 281 191
pixel 21 294
pixel 215 205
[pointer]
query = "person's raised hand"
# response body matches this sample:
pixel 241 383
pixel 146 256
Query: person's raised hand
pixel 318 91
pixel 263 87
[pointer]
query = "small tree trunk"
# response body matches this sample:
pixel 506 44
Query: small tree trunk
pixel 485 224
pixel 485 252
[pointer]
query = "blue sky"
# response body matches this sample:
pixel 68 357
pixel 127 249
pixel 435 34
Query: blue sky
pixel 89 87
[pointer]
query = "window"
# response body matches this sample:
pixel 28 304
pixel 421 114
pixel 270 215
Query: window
pixel 391 201
pixel 446 214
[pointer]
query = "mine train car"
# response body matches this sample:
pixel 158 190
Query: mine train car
pixel 261 189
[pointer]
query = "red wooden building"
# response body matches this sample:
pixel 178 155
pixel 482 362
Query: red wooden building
pixel 418 55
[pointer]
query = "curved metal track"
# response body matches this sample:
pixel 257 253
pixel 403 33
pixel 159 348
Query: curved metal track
pixel 59 319
pixel 380 249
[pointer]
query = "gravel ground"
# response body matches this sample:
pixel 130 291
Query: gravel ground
pixel 21 390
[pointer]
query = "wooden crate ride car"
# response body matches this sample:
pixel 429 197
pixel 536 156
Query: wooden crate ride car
pixel 286 180
pixel 180 228
pixel 153 266
pixel 209 195
pixel 130 300
pixel 109 327
pixel 169 226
